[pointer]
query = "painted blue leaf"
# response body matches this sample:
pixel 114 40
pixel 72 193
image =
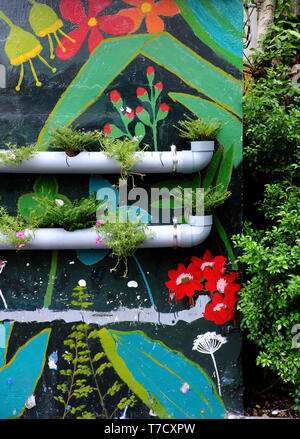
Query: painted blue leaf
pixel 20 375
pixel 98 183
pixel 163 372
pixel 134 213
pixel 91 257
pixel 4 333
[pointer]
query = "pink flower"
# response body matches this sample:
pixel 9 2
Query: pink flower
pixel 99 222
pixel 98 241
pixel 73 10
pixel 20 235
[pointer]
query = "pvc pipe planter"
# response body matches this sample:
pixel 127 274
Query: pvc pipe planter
pixel 172 236
pixel 57 162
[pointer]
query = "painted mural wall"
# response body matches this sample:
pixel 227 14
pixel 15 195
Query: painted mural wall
pixel 164 342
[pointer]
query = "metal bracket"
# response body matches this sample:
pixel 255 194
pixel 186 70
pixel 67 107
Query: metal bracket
pixel 175 233
pixel 175 158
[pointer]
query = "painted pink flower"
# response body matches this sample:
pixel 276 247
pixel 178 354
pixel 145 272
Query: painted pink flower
pixel 73 10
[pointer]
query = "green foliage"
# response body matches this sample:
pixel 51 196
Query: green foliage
pixel 270 299
pixel 15 155
pixel 80 214
pixel 73 141
pixel 14 229
pixel 122 236
pixel 199 129
pixel 124 150
pixel 85 379
pixel 271 125
pixel 212 197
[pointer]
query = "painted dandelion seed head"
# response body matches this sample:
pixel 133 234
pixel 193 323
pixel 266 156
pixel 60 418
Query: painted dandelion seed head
pixel 208 343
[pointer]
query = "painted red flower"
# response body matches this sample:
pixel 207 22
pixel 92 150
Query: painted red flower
pixel 220 310
pixel 114 96
pixel 183 282
pixel 159 85
pixel 222 283
pixel 164 108
pixel 107 129
pixel 150 70
pixel 149 10
pixel 208 261
pixel 140 91
pixel 73 10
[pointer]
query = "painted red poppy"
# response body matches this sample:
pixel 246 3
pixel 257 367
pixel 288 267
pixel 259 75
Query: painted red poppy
pixel 220 310
pixel 183 282
pixel 89 25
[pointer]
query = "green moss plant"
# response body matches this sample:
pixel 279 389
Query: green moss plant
pixel 14 155
pixel 199 129
pixel 72 141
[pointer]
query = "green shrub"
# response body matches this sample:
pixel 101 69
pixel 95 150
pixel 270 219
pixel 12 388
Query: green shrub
pixel 270 299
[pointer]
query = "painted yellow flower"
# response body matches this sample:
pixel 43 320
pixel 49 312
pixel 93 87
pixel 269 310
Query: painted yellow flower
pixel 21 46
pixel 44 21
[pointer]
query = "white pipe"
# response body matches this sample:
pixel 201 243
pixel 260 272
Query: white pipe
pixel 182 235
pixel 57 162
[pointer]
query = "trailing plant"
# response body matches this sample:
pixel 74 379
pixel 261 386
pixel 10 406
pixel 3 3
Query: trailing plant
pixel 88 374
pixel 125 151
pixel 73 141
pixel 15 230
pixel 270 298
pixel 15 155
pixel 199 129
pixel 122 235
pixel 80 214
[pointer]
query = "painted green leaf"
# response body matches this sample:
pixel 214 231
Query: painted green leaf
pixel 212 169
pixel 156 374
pixel 226 241
pixel 90 83
pixel 18 377
pixel 226 167
pixel 139 131
pixel 45 188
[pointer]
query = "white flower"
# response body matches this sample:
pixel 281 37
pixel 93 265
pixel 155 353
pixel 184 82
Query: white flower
pixel 82 283
pixel 208 343
pixel 59 202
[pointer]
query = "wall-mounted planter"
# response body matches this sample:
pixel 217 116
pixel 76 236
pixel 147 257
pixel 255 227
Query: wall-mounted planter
pixel 56 162
pixel 202 145
pixel 182 235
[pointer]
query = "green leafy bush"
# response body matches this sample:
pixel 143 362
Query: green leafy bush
pixel 73 141
pixel 15 229
pixel 270 298
pixel 271 126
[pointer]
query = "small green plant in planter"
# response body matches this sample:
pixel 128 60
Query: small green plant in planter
pixel 72 141
pixel 125 151
pixel 199 129
pixel 207 202
pixel 80 214
pixel 121 235
pixel 13 229
pixel 15 155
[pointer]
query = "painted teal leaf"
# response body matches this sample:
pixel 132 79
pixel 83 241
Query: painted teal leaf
pixel 18 377
pixel 91 257
pixel 5 328
pixel 150 367
pixel 134 214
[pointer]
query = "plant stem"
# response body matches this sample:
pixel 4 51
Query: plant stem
pixel 53 268
pixel 217 374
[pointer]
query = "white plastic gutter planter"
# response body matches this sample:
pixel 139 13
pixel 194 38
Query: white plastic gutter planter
pixel 176 235
pixel 57 162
